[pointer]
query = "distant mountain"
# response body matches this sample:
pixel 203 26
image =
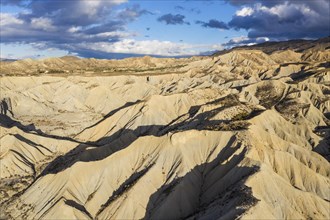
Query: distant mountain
pixel 309 50
pixel 7 60
pixel 295 45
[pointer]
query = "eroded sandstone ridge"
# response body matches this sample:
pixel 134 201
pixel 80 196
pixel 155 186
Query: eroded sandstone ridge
pixel 242 134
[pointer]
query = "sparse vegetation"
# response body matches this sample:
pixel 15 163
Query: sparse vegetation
pixel 290 109
pixel 228 126
pixel 52 71
pixel 241 116
pixel 267 95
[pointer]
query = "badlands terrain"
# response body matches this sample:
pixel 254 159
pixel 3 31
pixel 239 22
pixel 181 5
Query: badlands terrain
pixel 242 134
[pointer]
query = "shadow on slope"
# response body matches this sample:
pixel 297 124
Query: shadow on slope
pixel 323 148
pixel 124 187
pixel 212 190
pixel 8 122
pixel 121 139
pixel 128 104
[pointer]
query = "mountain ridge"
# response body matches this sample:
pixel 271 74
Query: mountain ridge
pixel 71 64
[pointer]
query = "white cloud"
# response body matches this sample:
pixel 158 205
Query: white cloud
pixel 75 33
pixel 9 19
pixel 43 24
pixel 150 47
pixel 240 39
pixel 286 10
pixel 92 7
pixel 74 29
pixel 245 40
pixel 114 34
pixel 245 11
pixel 217 47
pixel 262 39
pixel 283 19
pixel 283 11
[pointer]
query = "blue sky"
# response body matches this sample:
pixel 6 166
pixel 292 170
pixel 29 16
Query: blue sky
pixel 123 28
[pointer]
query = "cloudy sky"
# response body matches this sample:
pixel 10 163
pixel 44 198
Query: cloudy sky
pixel 122 28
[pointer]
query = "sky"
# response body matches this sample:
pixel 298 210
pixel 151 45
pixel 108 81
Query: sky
pixel 166 28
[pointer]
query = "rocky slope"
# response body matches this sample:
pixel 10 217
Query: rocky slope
pixel 243 134
pixel 295 45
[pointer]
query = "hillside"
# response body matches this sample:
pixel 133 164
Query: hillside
pixel 239 135
pixel 295 45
